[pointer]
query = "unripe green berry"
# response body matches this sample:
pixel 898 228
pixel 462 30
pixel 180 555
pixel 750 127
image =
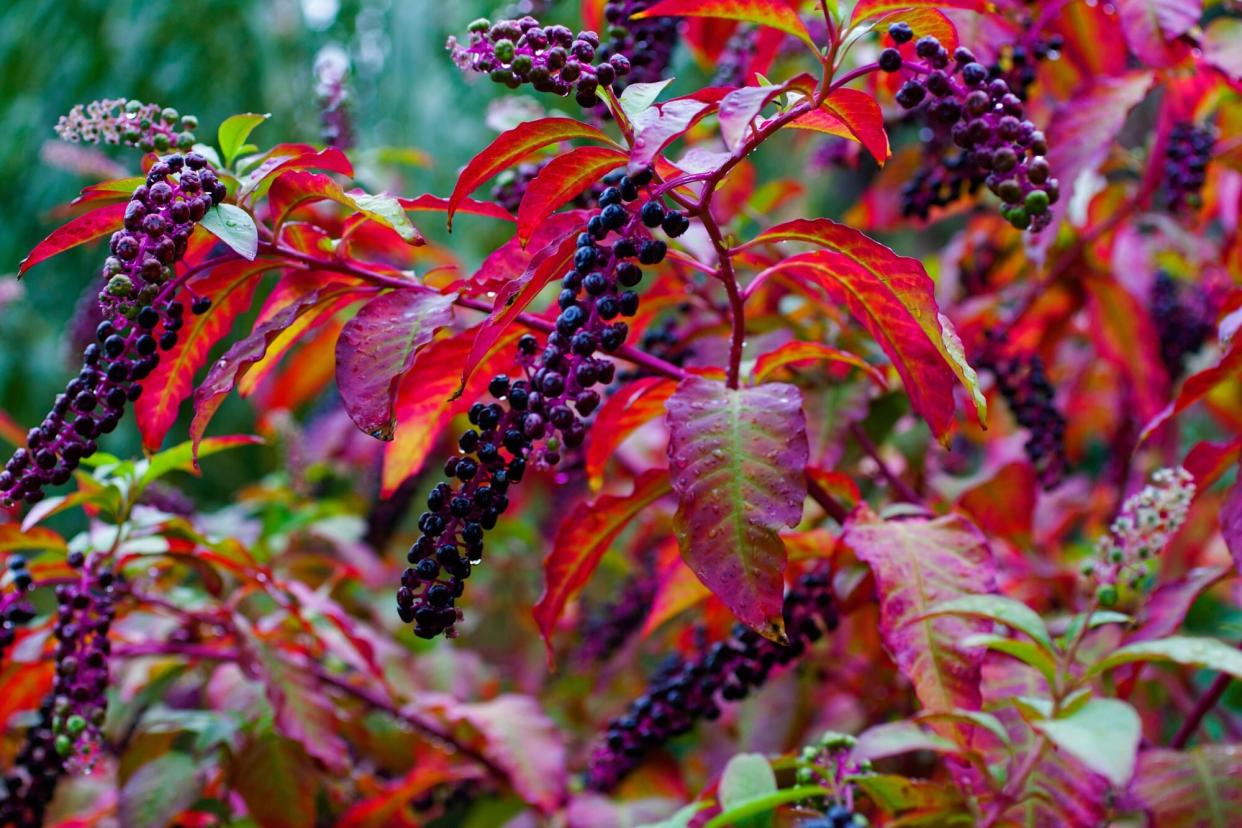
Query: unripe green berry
pixel 1037 202
pixel 169 115
pixel 522 64
pixel 189 122
pixel 1020 218
pixel 75 725
pixel 161 141
pixel 132 107
pixel 120 286
pixel 504 50
pixel 479 26
pixel 64 745
pixel 185 140
pixel 1107 595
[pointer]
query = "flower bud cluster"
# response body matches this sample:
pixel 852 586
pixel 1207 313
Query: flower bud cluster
pixel 830 763
pixel 140 321
pixel 687 691
pixel 1185 318
pixel 332 92
pixel 149 127
pixel 551 59
pixel 1185 164
pixel 1000 148
pixel 1027 390
pixel 647 44
pixel 536 416
pixel 1148 521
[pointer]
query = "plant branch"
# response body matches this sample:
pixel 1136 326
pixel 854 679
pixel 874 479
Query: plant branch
pixel 827 502
pixel 1205 704
pixel 899 486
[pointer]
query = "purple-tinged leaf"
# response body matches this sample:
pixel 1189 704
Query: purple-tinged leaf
pixel 1231 523
pixel 1197 788
pixel 739 108
pixel 1166 609
pixel 277 780
pixel 918 564
pixel 738 459
pixel 159 790
pixel 516 735
pixel 87 227
pixel 659 126
pixel 377 347
pixel 1148 25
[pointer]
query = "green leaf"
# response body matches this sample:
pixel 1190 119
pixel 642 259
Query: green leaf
pixel 895 738
pixel 639 96
pixel 978 718
pixel 1025 651
pixel 158 791
pixel 763 804
pixel 234 131
pixel 894 794
pixel 1103 734
pixel 1003 610
pixel 181 456
pixel 747 776
pixel 1208 653
pixel 233 226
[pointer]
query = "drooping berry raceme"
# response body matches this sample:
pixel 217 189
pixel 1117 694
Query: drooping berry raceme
pixel 733 61
pixel 511 187
pixel 332 91
pixel 1000 149
pixel 66 737
pixel 611 625
pixel 1148 521
pixel 140 320
pixel 551 59
pixel 15 609
pixel 535 417
pixel 647 44
pixel 687 691
pixel 1185 164
pixel 1021 380
pixel 149 127
pixel 1185 318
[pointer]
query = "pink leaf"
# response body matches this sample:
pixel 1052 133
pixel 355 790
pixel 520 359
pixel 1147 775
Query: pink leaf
pixel 1187 789
pixel 1197 386
pixel 85 228
pixel 377 347
pixel 917 564
pixel 581 541
pixel 1148 25
pixel 738 458
pixel 739 108
pixel 435 204
pixel 514 733
pixel 657 127
pixel 871 8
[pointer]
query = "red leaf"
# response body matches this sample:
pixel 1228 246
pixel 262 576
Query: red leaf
pixel 1197 386
pixel 861 115
pixel 870 8
pixel 1125 336
pixel 224 374
pixel 635 404
pixel 378 346
pixel 679 588
pixel 581 542
pixel 511 147
pixel 918 564
pixel 738 458
pixel 659 125
pixel 797 353
pixel 517 736
pixel 513 258
pixel 775 13
pixel 297 187
pixel 424 406
pixel 231 287
pixel 87 227
pixel 277 781
pixel 384 810
pixel 560 181
pixel 431 203
pixel 1209 461
pixel 547 265
pixel 893 298
pixel 284 157
pixel 820 120
pixel 1149 25
pixel 1004 504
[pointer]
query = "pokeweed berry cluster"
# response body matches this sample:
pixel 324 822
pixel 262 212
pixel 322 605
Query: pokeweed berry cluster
pixel 148 126
pixel 1185 164
pixel 551 59
pixel 1023 383
pixel 15 610
pixel 830 763
pixel 140 320
pixel 536 417
pixel 1185 318
pixel 646 44
pixel 332 92
pixel 607 629
pixel 1148 521
pixel 66 735
pixel 734 59
pixel 1000 148
pixel 687 691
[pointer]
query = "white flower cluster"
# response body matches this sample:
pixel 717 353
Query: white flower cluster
pixel 1148 520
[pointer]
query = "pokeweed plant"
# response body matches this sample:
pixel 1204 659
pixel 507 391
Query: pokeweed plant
pixel 877 603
